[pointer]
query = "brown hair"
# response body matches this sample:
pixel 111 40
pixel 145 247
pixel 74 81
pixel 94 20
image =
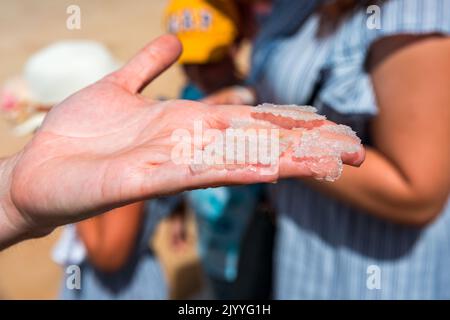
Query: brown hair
pixel 333 13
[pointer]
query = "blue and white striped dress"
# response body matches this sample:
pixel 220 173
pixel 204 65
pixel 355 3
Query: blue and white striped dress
pixel 325 249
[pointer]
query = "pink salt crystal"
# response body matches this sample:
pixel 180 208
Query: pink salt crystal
pixel 326 144
pixel 315 143
pixel 340 129
pixel 294 112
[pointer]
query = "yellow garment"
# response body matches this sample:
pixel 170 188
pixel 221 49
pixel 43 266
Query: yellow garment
pixel 206 28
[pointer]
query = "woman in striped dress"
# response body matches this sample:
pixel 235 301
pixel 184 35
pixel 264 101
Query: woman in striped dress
pixel 381 231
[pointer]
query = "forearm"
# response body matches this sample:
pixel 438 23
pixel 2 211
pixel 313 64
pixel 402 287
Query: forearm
pixel 381 189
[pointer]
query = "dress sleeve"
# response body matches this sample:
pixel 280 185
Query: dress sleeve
pixel 348 88
pixel 412 17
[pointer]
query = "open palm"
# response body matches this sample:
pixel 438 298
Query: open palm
pixel 107 146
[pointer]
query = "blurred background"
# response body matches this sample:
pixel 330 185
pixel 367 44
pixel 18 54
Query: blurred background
pixel 26 270
pixel 218 242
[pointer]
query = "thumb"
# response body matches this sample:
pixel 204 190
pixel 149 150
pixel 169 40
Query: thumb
pixel 149 63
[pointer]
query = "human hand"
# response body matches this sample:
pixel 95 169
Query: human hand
pixel 107 146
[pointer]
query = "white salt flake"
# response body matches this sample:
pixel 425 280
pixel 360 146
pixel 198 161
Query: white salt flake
pixel 340 129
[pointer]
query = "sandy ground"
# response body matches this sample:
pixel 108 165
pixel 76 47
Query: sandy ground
pixel 26 270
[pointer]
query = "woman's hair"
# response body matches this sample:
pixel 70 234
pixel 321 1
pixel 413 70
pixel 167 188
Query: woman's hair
pixel 332 13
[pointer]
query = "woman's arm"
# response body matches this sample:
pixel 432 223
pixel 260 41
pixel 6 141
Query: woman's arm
pixel 111 237
pixel 406 177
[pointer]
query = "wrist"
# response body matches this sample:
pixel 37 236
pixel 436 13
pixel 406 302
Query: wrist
pixel 9 230
pixel 13 225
